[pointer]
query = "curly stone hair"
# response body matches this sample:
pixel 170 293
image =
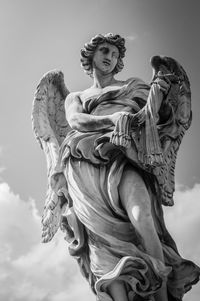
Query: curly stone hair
pixel 88 51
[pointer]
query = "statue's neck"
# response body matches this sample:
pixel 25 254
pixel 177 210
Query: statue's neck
pixel 101 80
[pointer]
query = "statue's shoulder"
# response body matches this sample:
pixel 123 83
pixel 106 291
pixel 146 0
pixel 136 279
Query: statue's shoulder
pixel 71 97
pixel 80 96
pixel 88 93
pixel 135 80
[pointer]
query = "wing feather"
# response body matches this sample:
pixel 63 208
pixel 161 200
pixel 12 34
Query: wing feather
pixel 177 108
pixel 50 128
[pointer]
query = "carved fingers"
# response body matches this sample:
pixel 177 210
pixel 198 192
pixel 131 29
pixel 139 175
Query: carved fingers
pixel 121 133
pixel 163 84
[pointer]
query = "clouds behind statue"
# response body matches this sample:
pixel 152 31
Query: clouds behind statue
pixel 111 167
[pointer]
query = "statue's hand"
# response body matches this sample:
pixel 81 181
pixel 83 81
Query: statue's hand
pixel 115 117
pixel 163 82
pixel 120 135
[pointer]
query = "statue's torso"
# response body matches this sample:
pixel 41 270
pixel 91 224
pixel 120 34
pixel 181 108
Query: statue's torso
pixel 96 92
pixel 89 95
pixel 95 147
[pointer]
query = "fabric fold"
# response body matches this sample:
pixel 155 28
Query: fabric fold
pixel 93 168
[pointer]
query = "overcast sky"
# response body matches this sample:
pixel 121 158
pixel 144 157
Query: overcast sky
pixel 38 36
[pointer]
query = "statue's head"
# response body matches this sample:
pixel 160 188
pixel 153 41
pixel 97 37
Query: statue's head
pixel 89 49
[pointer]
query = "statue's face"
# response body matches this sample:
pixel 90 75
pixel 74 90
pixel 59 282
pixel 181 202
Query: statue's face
pixel 105 57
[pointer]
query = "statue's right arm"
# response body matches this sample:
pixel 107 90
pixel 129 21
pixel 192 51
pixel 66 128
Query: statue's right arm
pixel 83 122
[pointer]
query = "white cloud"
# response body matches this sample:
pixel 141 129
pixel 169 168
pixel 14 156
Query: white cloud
pixel 18 221
pixel 33 271
pixel 183 222
pixel 30 270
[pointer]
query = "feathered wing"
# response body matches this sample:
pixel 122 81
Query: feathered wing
pixel 50 127
pixel 175 118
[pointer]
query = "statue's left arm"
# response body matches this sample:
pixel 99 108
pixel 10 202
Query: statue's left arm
pixel 158 128
pixel 127 123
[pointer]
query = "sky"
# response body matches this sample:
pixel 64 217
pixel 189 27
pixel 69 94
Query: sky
pixel 38 36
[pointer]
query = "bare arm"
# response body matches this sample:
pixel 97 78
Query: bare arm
pixel 84 122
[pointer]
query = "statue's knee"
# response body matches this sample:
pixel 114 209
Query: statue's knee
pixel 142 213
pixel 117 290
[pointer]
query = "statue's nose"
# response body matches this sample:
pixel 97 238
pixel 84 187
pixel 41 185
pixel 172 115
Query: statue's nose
pixel 108 56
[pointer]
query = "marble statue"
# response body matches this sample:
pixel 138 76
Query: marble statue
pixel 111 152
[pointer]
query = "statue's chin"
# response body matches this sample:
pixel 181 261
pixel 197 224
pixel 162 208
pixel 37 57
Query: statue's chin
pixel 103 69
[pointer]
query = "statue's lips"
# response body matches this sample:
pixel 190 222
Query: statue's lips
pixel 107 63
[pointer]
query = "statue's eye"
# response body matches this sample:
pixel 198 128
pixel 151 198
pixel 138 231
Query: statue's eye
pixel 105 50
pixel 115 54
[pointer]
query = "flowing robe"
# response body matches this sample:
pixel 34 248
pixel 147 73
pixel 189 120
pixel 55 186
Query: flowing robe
pixel 106 244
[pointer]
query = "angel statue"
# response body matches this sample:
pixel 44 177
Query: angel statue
pixel 111 152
